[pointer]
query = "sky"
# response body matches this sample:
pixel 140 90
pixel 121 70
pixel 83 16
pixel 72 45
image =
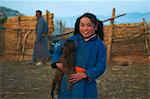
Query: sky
pixel 65 8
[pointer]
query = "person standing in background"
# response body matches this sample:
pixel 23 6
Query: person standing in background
pixel 40 52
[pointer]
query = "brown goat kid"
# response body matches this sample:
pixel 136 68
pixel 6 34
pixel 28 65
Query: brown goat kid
pixel 68 61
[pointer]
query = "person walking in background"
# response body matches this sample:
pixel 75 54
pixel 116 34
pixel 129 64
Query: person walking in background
pixel 40 52
pixel 90 60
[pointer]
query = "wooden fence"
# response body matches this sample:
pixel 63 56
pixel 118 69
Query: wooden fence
pixel 120 39
pixel 19 36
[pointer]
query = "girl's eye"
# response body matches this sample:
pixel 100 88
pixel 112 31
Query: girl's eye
pixel 81 25
pixel 89 25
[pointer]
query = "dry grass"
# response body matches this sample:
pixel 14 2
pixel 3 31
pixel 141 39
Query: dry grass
pixel 24 81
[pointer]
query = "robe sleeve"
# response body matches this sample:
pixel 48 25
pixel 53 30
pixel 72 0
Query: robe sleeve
pixel 56 54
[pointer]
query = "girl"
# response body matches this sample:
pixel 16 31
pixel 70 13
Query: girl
pixel 99 31
pixel 90 61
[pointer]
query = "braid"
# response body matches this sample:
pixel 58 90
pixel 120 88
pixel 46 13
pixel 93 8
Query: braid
pixel 99 30
pixel 76 27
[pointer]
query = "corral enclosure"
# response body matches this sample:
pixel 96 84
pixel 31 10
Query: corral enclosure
pixel 130 42
pixel 127 40
pixel 19 35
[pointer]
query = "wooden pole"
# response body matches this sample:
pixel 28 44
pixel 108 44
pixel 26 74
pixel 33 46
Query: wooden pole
pixel 114 17
pixel 110 37
pixel 19 35
pixel 24 44
pixel 47 12
pixel 61 26
pixel 47 19
pixel 147 38
pixel 1 42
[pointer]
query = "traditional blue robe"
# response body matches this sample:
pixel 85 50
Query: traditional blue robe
pixel 40 51
pixel 90 55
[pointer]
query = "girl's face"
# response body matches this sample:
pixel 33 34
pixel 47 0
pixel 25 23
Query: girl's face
pixel 86 27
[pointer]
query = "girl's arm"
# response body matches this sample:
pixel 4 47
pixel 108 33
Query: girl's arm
pixel 94 72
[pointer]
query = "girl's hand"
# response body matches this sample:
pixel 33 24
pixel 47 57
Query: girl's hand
pixel 73 78
pixel 60 66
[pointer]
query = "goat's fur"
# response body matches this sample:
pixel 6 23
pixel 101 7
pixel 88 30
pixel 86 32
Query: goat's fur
pixel 68 61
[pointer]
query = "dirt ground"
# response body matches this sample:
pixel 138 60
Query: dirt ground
pixel 20 80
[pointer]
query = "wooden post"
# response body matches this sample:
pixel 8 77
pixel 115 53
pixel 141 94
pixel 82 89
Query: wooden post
pixel 1 42
pixel 61 27
pixel 47 19
pixel 110 37
pixel 47 12
pixel 147 38
pixel 24 44
pixel 19 35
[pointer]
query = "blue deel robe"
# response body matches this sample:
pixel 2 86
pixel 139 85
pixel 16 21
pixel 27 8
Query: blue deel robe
pixel 90 55
pixel 40 51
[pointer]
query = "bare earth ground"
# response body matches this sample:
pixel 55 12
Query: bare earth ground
pixel 23 81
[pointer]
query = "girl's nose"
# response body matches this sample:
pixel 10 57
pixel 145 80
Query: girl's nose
pixel 85 28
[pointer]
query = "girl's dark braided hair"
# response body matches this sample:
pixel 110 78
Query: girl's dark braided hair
pixel 99 24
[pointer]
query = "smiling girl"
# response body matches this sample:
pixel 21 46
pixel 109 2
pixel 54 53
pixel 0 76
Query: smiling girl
pixel 90 61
